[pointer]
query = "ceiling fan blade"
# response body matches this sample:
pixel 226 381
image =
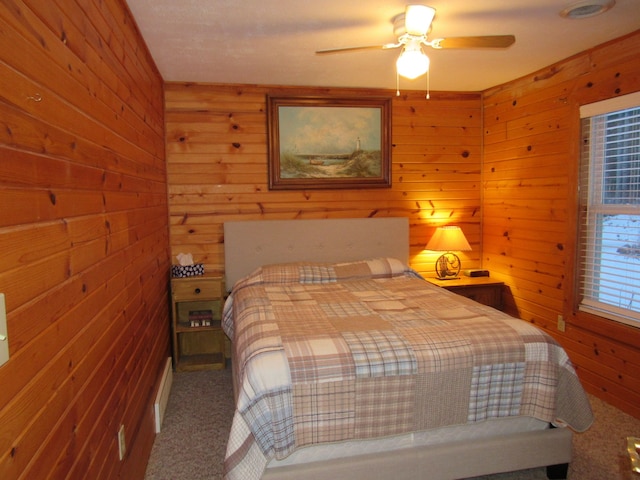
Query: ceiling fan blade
pixel 489 41
pixel 355 49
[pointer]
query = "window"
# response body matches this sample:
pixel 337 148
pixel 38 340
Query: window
pixel 609 226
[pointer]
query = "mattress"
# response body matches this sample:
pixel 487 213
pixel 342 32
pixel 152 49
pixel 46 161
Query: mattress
pixel 362 351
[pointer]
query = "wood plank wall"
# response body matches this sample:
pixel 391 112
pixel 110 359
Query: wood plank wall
pixel 84 248
pixel 530 168
pixel 217 168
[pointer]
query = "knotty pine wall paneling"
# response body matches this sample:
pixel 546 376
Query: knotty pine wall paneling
pixel 530 171
pixel 217 168
pixel 84 239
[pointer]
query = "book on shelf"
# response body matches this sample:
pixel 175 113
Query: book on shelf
pixel 200 314
pixel 200 318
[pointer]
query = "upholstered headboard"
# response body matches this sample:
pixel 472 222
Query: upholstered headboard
pixel 250 244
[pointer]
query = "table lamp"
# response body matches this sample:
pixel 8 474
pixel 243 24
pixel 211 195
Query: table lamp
pixel 448 239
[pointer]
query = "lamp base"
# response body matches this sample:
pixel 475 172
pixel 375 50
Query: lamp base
pixel 448 266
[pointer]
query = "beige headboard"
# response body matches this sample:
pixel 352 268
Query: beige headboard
pixel 250 244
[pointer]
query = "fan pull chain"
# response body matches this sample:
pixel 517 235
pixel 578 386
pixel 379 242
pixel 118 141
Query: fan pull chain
pixel 428 95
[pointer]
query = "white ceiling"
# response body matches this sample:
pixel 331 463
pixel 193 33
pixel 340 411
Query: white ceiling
pixel 269 42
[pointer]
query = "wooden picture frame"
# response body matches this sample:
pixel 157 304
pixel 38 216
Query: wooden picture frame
pixel 329 142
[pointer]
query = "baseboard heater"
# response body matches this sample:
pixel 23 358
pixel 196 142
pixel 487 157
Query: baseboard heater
pixel 162 397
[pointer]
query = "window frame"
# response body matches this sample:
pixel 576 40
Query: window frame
pixel 587 212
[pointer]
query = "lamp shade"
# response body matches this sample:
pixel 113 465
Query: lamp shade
pixel 448 239
pixel 418 19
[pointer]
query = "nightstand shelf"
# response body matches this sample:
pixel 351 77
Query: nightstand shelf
pixel 483 290
pixel 196 314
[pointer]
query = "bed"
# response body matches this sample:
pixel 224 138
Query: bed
pixel 370 372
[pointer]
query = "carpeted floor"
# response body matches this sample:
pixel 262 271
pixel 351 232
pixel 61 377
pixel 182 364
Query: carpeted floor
pixel 192 443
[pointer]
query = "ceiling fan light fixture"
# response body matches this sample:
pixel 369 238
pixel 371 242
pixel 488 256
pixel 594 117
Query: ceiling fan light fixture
pixel 412 63
pixel 587 8
pixel 418 19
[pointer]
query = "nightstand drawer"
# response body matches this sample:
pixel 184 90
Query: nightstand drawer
pixel 196 288
pixel 480 289
pixel 487 294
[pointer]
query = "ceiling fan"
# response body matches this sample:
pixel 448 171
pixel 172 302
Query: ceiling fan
pixel 412 28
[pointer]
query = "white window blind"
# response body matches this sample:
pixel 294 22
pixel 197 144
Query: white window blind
pixel 609 227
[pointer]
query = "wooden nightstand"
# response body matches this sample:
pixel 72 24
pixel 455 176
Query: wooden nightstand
pixel 196 313
pixel 481 289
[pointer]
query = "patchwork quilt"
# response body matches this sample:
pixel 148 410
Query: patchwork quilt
pixel 335 352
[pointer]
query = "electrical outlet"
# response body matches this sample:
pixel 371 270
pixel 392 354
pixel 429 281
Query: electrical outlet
pixel 561 324
pixel 122 448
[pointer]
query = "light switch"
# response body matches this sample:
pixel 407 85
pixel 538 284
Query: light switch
pixel 4 339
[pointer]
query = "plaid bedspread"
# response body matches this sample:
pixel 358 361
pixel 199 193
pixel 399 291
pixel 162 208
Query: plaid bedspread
pixel 328 353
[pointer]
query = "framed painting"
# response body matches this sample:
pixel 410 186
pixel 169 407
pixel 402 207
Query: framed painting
pixel 329 142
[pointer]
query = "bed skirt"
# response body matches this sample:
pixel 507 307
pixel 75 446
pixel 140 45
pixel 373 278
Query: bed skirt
pixel 455 460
